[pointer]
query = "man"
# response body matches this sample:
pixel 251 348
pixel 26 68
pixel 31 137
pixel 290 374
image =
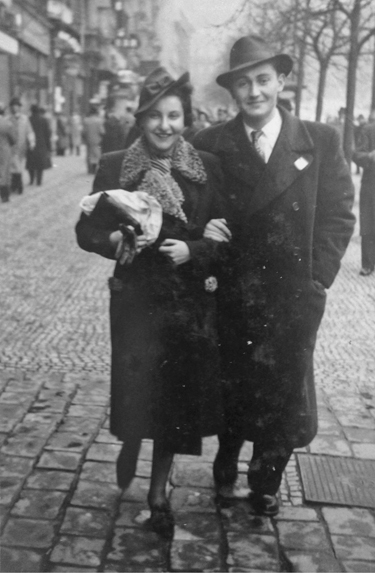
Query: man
pixel 364 156
pixel 289 196
pixel 25 140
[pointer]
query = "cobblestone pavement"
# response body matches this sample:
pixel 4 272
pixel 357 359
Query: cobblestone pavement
pixel 61 508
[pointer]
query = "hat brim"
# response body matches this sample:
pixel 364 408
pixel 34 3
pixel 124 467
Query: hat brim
pixel 185 78
pixel 285 65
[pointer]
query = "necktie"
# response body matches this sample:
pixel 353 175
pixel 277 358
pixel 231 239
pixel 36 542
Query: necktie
pixel 255 135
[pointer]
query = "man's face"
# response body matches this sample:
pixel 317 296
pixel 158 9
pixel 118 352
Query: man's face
pixel 255 91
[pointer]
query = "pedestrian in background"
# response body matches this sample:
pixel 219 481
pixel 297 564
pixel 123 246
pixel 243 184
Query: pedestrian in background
pixel 93 131
pixel 62 133
pixel 39 158
pixel 7 140
pixel 364 156
pixel 165 380
pixel 113 137
pixel 290 195
pixel 25 140
pixel 75 133
pixel 358 129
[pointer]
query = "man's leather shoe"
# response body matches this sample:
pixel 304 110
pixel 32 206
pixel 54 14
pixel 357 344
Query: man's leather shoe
pixel 264 504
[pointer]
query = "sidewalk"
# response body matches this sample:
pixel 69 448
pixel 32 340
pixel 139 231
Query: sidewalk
pixel 61 508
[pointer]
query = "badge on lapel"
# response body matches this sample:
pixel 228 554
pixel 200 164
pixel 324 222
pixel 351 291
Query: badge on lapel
pixel 301 163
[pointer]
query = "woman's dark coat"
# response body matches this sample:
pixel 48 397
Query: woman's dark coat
pixel 291 222
pixel 39 158
pixel 366 145
pixel 165 380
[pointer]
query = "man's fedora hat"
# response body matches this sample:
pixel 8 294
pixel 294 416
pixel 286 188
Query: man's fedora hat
pixel 157 84
pixel 250 51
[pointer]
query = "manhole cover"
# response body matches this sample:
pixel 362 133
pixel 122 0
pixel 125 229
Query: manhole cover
pixel 340 481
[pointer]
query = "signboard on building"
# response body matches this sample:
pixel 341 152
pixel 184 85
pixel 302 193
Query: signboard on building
pixel 8 44
pixel 33 33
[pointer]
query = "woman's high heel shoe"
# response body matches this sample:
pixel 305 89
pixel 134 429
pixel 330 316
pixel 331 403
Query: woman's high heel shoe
pixel 161 520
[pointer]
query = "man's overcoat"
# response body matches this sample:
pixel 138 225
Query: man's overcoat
pixel 291 222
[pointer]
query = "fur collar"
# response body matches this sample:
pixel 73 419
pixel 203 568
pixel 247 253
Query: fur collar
pixel 185 160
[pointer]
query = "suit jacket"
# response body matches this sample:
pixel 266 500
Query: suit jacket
pixel 361 156
pixel 290 231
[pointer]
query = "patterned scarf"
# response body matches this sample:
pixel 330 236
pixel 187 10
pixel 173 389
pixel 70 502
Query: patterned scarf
pixel 155 175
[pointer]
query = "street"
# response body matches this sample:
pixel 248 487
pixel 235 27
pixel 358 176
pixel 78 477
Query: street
pixel 61 508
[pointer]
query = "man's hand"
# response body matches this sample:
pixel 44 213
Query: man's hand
pixel 177 251
pixel 217 230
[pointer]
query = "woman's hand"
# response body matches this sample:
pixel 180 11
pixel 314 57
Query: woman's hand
pixel 177 251
pixel 217 230
pixel 116 239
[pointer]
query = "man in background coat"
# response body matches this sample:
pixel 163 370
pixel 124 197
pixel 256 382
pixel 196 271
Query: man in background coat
pixel 364 156
pixel 289 196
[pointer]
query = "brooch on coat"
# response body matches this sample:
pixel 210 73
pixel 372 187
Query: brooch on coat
pixel 210 284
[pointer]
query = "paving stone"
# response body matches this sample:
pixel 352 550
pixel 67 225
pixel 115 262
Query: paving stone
pixel 38 504
pixel 10 376
pixel 10 415
pixel 195 555
pixel 52 405
pixel 9 489
pixel 143 469
pixel 103 452
pixel 99 471
pixel 317 562
pixel 21 445
pixel 137 491
pixel 59 460
pixel 96 495
pixel 33 533
pixel 354 547
pixel 302 535
pixel 193 500
pixel 362 435
pixel 82 426
pixel 252 550
pixel 91 399
pixel 50 418
pixel 31 429
pixel 364 451
pixel 70 569
pixel 132 514
pixel 193 474
pixel 136 550
pixel 190 526
pixel 14 466
pixel 87 411
pixel 359 566
pixel 50 480
pixel 357 420
pixel 330 445
pixel 25 398
pixel 67 441
pixel 20 560
pixel 146 450
pixel 105 437
pixel 3 438
pixel 78 551
pixel 237 518
pixel 350 521
pixel 326 427
pixel 86 522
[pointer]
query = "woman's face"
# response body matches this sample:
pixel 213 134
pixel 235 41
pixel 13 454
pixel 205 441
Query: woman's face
pixel 163 124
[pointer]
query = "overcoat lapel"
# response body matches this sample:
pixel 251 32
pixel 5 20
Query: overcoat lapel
pixel 291 156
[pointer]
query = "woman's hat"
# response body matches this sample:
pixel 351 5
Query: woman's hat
pixel 157 84
pixel 250 51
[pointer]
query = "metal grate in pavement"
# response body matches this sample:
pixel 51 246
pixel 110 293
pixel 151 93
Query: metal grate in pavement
pixel 338 480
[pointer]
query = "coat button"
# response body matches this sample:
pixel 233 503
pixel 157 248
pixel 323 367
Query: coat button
pixel 296 251
pixel 295 206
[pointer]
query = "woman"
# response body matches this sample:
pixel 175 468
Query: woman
pixel 164 352
pixel 39 158
pixel 7 139
pixel 93 131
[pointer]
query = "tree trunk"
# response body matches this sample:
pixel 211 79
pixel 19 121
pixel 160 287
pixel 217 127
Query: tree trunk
pixel 351 80
pixel 373 80
pixel 321 89
pixel 301 60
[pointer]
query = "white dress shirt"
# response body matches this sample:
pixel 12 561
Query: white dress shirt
pixel 270 133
